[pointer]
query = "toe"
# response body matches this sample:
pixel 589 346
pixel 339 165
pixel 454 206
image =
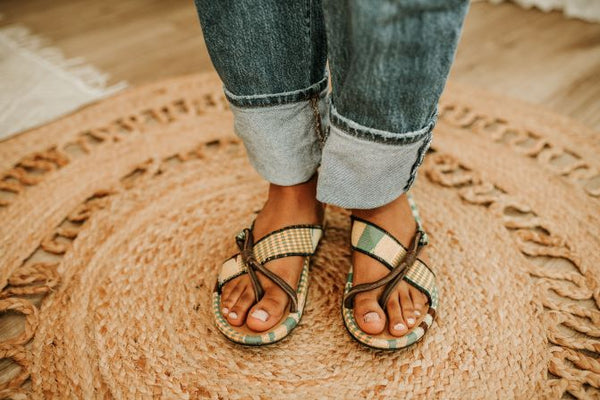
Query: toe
pixel 397 325
pixel 230 295
pixel 368 314
pixel 237 313
pixel 267 312
pixel 408 309
pixel 419 300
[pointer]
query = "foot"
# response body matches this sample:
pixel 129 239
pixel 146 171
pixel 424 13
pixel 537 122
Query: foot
pixel 286 205
pixel 406 303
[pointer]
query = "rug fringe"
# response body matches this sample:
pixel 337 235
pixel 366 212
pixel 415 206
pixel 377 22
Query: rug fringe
pixel 75 69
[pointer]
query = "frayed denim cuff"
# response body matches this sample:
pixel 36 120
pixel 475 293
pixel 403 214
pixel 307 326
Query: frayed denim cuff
pixel 365 168
pixel 283 133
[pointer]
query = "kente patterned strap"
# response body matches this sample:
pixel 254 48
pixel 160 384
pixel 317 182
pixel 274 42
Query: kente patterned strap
pixel 403 263
pixel 293 240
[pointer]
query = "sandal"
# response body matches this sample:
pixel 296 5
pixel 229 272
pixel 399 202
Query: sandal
pixel 403 263
pixel 292 240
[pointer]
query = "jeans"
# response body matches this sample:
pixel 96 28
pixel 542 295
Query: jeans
pixel 388 63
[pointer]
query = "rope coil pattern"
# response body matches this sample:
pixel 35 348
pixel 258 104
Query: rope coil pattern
pixel 107 280
pixel 581 380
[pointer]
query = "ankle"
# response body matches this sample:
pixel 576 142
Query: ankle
pixel 302 194
pixel 396 207
pixel 296 202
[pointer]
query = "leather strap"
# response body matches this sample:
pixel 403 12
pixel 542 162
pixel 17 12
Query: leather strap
pixel 303 245
pixel 400 271
pixel 396 275
pixel 246 244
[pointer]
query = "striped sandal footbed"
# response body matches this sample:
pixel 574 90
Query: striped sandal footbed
pixel 382 246
pixel 293 240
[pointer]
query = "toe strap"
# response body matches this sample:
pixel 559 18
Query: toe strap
pixel 293 240
pixel 230 269
pixel 399 272
pixel 403 263
pixel 420 276
pixel 395 276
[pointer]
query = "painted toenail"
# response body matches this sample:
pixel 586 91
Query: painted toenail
pixel 225 311
pixel 233 315
pixel 411 321
pixel 399 327
pixel 260 315
pixel 371 317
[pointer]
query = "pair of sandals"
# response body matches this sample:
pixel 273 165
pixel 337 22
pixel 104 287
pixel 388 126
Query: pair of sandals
pixel 303 240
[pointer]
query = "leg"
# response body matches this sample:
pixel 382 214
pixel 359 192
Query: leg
pixel 271 56
pixel 389 62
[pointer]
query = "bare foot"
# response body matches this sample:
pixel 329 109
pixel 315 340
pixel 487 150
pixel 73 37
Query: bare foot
pixel 406 303
pixel 286 205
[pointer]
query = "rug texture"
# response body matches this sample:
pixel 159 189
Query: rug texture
pixel 116 218
pixel 39 84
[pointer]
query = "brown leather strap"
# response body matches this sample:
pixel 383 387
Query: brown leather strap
pixel 246 245
pixel 400 271
pixel 392 279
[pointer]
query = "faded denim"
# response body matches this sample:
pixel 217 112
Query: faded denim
pixel 291 151
pixel 389 62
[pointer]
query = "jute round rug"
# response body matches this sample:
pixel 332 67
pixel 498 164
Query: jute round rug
pixel 114 220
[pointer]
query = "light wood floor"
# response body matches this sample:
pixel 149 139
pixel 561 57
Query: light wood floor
pixel 542 58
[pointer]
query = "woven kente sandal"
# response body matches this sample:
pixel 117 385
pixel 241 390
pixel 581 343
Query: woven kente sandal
pixel 403 263
pixel 292 240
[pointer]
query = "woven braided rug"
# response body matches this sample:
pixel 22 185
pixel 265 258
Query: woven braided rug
pixel 115 219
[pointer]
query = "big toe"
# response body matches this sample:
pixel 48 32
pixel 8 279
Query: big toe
pixel 267 312
pixel 368 314
pixel 237 314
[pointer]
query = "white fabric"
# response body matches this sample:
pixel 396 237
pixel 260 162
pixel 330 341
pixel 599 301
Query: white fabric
pixel 588 10
pixel 37 84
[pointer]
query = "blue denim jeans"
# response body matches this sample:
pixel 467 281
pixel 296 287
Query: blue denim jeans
pixel 388 64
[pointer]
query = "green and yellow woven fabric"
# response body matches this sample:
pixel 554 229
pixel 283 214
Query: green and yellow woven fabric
pixel 381 245
pixel 294 240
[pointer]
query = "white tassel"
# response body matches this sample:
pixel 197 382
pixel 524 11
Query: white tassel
pixel 89 77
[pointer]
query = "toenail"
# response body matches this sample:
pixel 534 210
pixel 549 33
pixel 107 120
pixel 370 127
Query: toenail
pixel 371 317
pixel 233 315
pixel 411 321
pixel 417 313
pixel 399 327
pixel 225 311
pixel 260 315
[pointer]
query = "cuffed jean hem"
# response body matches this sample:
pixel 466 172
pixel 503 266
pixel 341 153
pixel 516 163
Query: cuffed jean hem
pixel 366 168
pixel 283 133
pixel 269 100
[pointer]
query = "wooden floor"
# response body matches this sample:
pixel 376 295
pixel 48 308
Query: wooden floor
pixel 542 58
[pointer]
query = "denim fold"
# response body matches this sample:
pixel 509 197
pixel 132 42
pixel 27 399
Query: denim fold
pixel 388 62
pixel 283 133
pixel 365 168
